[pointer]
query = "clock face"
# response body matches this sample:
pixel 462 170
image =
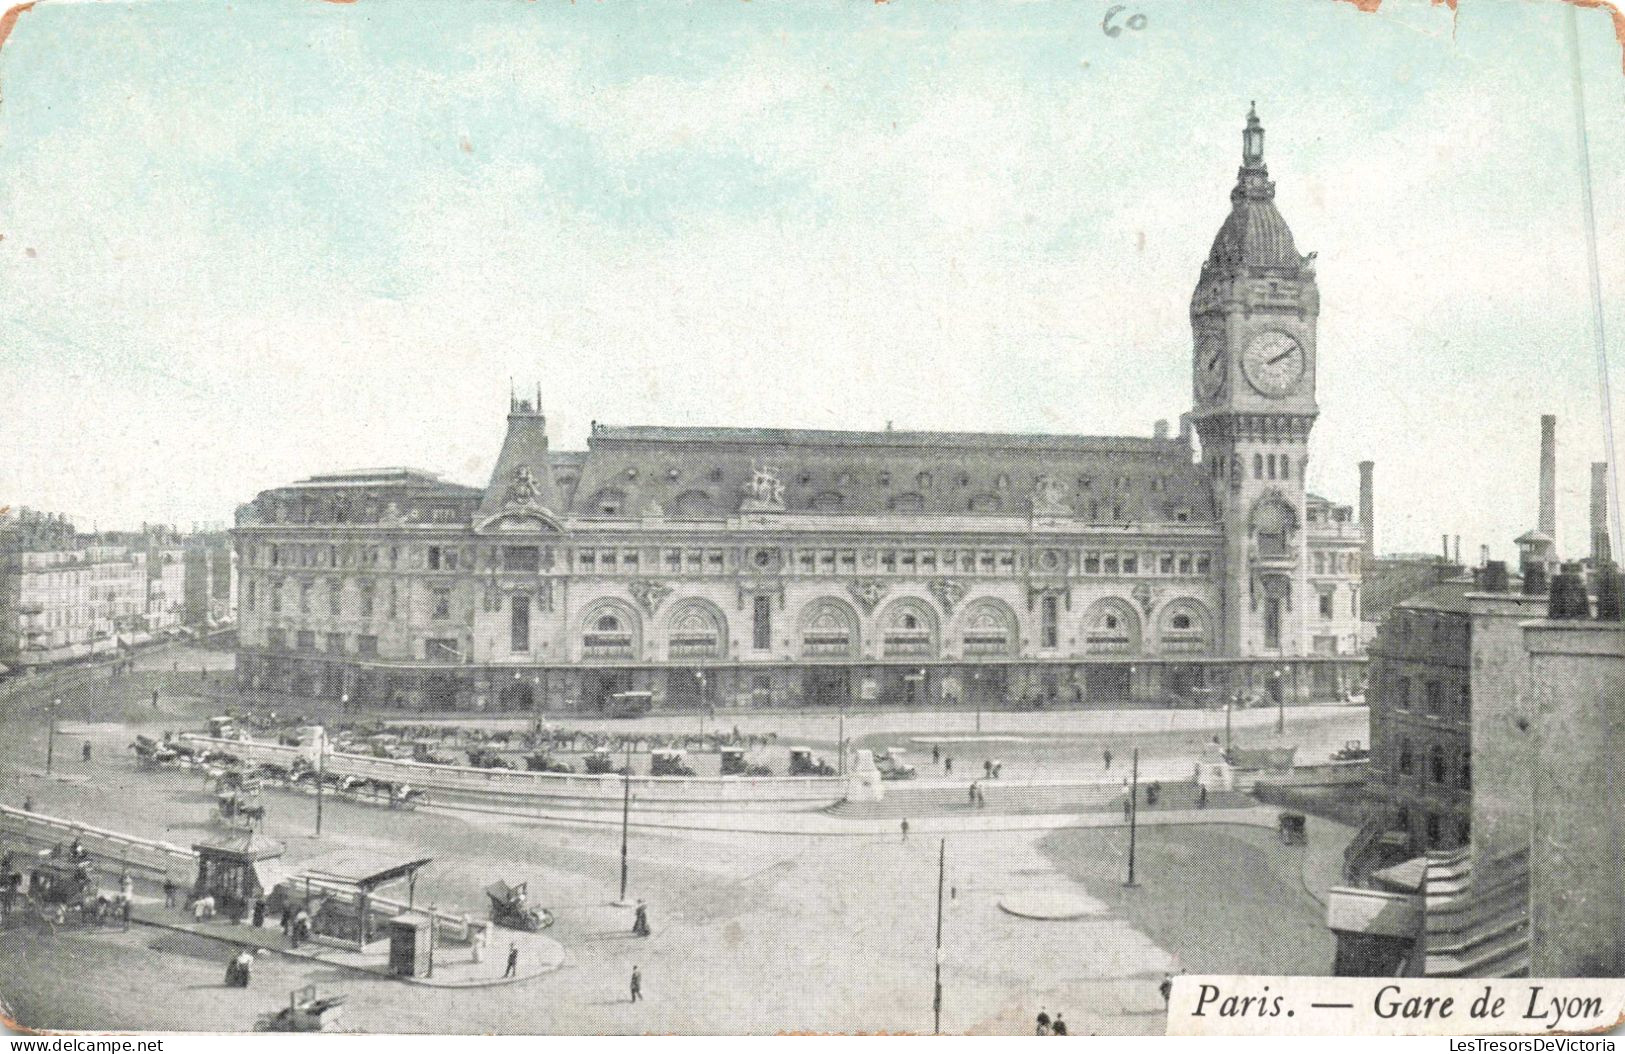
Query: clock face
pixel 1211 362
pixel 1273 362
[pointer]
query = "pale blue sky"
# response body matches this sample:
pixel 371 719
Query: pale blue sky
pixel 246 243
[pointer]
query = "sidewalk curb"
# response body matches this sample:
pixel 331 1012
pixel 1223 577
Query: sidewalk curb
pixel 288 953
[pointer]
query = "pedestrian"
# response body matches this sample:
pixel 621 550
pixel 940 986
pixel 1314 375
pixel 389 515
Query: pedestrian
pixel 28 803
pixel 973 794
pixel 1201 795
pixel 1106 756
pixel 84 752
pixel 513 960
pixel 947 766
pixel 169 892
pixel 1128 807
pixel 987 768
pixel 287 918
pixel 1057 1027
pixel 905 829
pixel 124 911
pixel 637 984
pixel 259 912
pixel 936 755
pixel 197 910
pixel 155 698
pixel 1043 1022
pixel 481 939
pixel 640 921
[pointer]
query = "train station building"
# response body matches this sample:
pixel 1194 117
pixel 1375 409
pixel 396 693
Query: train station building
pixel 760 566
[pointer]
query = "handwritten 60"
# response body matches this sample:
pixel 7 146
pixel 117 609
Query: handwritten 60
pixel 1110 26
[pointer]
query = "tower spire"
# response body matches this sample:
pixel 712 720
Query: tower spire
pixel 1252 139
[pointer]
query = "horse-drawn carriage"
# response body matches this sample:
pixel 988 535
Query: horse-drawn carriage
pixel 542 761
pixel 601 763
pixel 151 753
pixel 802 763
pixel 669 763
pixel 734 764
pixel 233 808
pixel 510 907
pixel 482 758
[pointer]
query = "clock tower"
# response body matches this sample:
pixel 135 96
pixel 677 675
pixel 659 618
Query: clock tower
pixel 1253 371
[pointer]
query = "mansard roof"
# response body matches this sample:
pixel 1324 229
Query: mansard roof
pixel 709 473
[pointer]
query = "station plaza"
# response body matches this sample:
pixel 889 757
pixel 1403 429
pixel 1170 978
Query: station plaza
pixel 762 921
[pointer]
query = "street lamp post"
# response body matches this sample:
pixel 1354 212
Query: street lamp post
pixel 936 1001
pixel 1229 700
pixel 1133 814
pixel 626 818
pixel 1280 703
pixel 50 737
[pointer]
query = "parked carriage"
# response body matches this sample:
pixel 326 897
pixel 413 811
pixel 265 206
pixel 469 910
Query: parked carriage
pixel 669 763
pixel 482 758
pixel 542 761
pixel 734 764
pixel 802 763
pixel 510 907
pixel 601 763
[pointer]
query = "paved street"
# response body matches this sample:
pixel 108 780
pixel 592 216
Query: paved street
pixel 816 926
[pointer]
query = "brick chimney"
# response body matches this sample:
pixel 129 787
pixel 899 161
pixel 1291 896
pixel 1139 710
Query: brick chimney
pixel 1601 551
pixel 1548 476
pixel 1368 509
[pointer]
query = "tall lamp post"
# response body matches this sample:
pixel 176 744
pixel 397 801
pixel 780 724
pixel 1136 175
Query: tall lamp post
pixel 1280 702
pixel 1133 814
pixel 626 820
pixel 936 1001
pixel 50 737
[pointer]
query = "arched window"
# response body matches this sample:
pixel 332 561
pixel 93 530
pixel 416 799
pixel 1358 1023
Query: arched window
pixel 988 629
pixel 609 634
pixel 1258 466
pixel 1180 621
pixel 908 630
pixel 1436 764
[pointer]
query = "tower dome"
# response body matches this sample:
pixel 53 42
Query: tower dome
pixel 1254 234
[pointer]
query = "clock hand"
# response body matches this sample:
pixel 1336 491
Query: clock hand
pixel 1281 356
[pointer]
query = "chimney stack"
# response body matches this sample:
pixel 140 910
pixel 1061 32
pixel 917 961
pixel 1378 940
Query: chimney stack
pixel 1368 509
pixel 1484 557
pixel 1568 599
pixel 1548 476
pixel 1495 576
pixel 1601 551
pixel 1444 543
pixel 1457 558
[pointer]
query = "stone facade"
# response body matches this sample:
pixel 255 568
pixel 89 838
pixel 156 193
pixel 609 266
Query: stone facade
pixel 769 566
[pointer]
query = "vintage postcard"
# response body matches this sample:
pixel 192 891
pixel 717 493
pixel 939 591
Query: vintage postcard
pixel 1049 518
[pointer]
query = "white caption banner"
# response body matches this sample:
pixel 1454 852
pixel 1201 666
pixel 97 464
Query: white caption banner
pixel 1392 1006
